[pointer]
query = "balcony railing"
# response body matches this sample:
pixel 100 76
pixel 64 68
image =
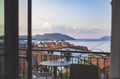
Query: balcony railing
pixel 99 59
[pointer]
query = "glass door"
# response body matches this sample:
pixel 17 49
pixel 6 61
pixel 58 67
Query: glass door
pixel 25 45
pixel 23 64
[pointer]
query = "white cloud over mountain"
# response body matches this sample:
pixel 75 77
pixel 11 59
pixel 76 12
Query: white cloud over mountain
pixel 41 26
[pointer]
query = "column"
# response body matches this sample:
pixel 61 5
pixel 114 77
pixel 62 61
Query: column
pixel 115 41
pixel 11 39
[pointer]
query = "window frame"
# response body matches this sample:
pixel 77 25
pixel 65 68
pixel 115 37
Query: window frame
pixel 12 39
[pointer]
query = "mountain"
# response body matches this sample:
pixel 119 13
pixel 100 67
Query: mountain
pixel 105 38
pixel 50 36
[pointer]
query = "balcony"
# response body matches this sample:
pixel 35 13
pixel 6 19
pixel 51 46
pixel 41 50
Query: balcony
pixel 98 59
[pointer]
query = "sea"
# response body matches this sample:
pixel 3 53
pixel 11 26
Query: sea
pixel 94 45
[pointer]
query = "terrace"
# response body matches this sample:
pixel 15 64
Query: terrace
pixel 99 59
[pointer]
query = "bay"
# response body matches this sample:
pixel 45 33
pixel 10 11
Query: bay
pixel 98 46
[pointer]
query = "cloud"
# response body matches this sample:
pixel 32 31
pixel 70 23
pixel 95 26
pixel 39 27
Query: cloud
pixel 42 26
pixel 74 32
pixel 90 33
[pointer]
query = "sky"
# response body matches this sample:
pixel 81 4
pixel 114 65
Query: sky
pixel 76 18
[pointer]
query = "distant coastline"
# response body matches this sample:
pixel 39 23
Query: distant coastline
pixel 93 39
pixel 59 36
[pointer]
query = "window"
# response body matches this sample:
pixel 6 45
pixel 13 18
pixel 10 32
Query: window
pixel 12 49
pixel 25 62
pixel 87 21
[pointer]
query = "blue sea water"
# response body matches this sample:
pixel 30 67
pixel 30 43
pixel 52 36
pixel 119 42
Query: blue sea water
pixel 99 46
pixel 93 45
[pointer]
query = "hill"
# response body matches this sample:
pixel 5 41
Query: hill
pixel 50 36
pixel 105 38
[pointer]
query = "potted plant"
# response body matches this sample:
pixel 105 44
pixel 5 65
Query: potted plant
pixel 67 56
pixel 45 69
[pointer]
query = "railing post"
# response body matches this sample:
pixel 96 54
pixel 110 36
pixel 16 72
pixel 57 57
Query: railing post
pixel 29 53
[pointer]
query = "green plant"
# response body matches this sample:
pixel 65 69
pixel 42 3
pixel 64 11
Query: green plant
pixel 45 69
pixel 45 58
pixel 67 54
pixel 62 75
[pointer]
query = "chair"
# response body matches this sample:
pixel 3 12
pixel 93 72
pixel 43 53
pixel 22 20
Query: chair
pixel 36 73
pixel 80 71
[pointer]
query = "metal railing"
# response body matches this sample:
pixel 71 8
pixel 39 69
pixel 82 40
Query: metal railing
pixel 100 59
